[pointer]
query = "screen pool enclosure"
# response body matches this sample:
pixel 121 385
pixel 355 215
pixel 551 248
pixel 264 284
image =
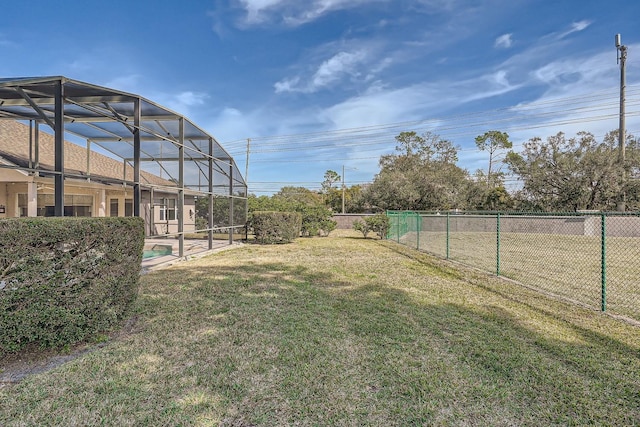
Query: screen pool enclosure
pixel 147 138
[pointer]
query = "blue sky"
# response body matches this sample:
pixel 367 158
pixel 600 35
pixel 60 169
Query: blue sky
pixel 327 84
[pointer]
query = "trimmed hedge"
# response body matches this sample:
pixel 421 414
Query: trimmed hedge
pixel 276 227
pixel 65 279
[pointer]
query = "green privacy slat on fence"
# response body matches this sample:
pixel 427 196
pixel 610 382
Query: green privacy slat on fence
pixel 498 244
pixel 448 228
pixel 603 261
pixel 418 222
pixel 590 257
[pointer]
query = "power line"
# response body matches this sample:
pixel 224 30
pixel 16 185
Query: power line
pixel 330 146
pixel 382 141
pixel 366 131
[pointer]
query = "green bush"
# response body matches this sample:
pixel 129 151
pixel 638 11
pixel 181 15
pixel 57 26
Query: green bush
pixel 378 223
pixel 276 227
pixel 327 226
pixel 316 217
pixel 361 226
pixel 63 280
pixel 316 221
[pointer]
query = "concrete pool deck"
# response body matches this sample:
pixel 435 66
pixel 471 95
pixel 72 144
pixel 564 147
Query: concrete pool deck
pixel 192 249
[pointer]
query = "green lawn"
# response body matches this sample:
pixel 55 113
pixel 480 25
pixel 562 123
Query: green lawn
pixel 342 331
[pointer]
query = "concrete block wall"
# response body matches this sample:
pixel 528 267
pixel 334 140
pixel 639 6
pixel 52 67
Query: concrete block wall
pixel 616 226
pixel 345 221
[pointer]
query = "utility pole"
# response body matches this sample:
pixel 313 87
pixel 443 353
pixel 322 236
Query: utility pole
pixel 343 189
pixel 246 166
pixel 246 193
pixel 622 59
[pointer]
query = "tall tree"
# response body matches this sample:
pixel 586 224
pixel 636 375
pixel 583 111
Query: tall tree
pixel 426 147
pixel 569 173
pixel 330 178
pixel 493 141
pixel 297 196
pixel 421 175
pixel 352 199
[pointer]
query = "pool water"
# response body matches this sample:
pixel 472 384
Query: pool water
pixel 156 251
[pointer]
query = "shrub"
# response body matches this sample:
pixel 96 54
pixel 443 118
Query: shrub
pixel 276 227
pixel 361 226
pixel 201 223
pixel 327 226
pixel 316 220
pixel 65 279
pixel 378 223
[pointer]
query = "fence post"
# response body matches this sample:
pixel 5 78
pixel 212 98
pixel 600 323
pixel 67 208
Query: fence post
pixel 418 221
pixel 498 244
pixel 603 261
pixel 386 212
pixel 448 235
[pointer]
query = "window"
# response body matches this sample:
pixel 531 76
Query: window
pixel 168 210
pixel 74 205
pixel 113 207
pixel 22 204
pixel 128 207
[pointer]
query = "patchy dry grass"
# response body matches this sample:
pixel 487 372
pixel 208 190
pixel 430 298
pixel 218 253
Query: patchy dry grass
pixel 566 265
pixel 342 331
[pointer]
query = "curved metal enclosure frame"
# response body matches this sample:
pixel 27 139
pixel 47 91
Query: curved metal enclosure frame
pixel 149 139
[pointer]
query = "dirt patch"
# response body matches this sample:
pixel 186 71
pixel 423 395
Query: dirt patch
pixel 33 360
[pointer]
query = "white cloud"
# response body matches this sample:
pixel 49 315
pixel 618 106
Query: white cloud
pixel 575 27
pixel 287 85
pixel 190 98
pixel 504 41
pixel 295 12
pixel 231 123
pixel 581 25
pixel 563 74
pixel 442 98
pixel 218 23
pixel 181 102
pixel 334 68
pixel 256 9
pixel 319 8
pixel 328 72
pixel 381 106
pixel 415 102
pixel 385 63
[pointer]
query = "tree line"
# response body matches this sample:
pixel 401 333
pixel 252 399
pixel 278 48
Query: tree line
pixel 559 173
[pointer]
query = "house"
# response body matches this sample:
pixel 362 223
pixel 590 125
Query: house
pixel 97 188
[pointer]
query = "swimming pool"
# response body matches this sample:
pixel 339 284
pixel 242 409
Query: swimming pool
pixel 156 251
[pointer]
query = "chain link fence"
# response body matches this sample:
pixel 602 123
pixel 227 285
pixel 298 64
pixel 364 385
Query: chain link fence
pixel 589 258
